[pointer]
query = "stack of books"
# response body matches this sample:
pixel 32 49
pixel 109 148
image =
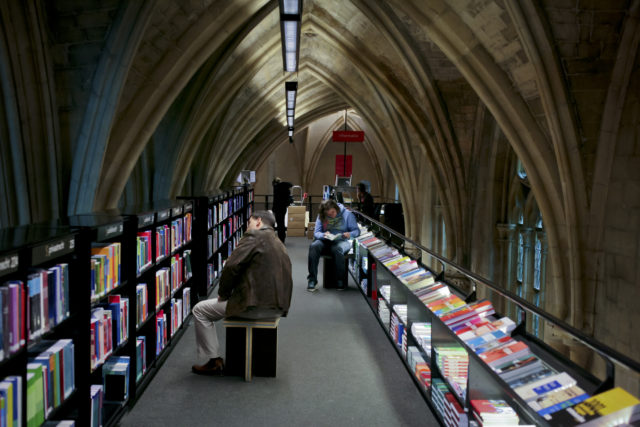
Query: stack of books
pixel 494 413
pixel 610 408
pixel 384 313
pixel 420 367
pixel 447 405
pixel 422 335
pixel 453 362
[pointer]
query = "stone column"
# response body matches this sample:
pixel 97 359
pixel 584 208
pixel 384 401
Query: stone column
pixel 504 274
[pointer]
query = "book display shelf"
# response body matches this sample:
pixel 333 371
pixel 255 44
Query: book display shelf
pixel 227 213
pixel 44 348
pixel 472 365
pixel 161 267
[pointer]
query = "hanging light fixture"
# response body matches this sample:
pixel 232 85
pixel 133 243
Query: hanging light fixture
pixel 290 18
pixel 291 90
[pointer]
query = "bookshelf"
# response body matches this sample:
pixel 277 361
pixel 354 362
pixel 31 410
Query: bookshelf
pixel 226 213
pixel 161 264
pixel 450 371
pixel 107 256
pixel 29 256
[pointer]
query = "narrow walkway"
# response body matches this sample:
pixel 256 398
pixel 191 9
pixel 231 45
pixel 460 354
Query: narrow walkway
pixel 335 368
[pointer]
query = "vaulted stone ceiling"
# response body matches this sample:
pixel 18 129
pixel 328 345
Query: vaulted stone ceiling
pixel 199 83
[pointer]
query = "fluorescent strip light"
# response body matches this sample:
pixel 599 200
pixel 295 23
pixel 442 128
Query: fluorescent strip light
pixel 290 36
pixel 291 62
pixel 290 7
pixel 291 100
pixel 289 111
pixel 290 121
pixel 290 133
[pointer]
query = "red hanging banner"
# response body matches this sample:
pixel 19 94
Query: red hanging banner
pixel 340 166
pixel 348 136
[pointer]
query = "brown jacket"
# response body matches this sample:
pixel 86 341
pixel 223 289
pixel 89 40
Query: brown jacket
pixel 257 274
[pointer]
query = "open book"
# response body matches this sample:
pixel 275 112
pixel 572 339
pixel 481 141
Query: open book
pixel 331 236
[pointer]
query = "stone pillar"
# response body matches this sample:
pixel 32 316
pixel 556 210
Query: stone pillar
pixel 504 274
pixel 528 248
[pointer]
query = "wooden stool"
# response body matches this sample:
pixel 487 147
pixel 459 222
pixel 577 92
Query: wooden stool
pixel 251 347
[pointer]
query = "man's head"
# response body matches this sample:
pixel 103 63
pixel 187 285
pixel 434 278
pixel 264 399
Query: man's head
pixel 361 187
pixel 259 219
pixel 328 209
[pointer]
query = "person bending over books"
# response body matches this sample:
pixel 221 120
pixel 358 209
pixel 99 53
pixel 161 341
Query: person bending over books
pixel 334 226
pixel 255 283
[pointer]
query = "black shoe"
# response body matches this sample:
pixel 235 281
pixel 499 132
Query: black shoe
pixel 311 286
pixel 214 367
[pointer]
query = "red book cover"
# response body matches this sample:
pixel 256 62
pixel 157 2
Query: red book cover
pixel 505 353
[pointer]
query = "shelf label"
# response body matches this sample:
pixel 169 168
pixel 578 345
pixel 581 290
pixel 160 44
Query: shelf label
pixel 145 220
pixel 53 249
pixel 188 207
pixel 163 215
pixel 109 231
pixel 8 264
pixel 176 211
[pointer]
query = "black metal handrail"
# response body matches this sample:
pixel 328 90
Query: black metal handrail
pixel 608 353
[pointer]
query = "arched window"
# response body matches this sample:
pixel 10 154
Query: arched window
pixel 537 263
pixel 520 261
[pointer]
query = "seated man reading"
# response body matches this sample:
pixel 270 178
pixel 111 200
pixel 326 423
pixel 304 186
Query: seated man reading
pixel 255 283
pixel 334 226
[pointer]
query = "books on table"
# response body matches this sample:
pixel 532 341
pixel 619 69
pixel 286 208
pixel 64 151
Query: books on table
pixel 612 407
pixel 494 412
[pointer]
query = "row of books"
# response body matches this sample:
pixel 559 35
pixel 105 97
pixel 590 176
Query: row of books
pixel 48 299
pixel 101 336
pixel 177 314
pixel 12 325
pixel 212 275
pixel 97 400
pixel 419 366
pixel 105 269
pixel 119 307
pixel 143 251
pixel 397 324
pixel 163 242
pixel 163 286
pixel 222 210
pixel 11 401
pixel 161 331
pixel 142 305
pixel 225 230
pixel 50 379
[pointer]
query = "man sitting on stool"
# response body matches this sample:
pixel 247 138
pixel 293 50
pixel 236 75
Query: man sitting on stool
pixel 255 283
pixel 334 226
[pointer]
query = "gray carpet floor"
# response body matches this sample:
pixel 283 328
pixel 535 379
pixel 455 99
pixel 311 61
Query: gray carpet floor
pixel 335 367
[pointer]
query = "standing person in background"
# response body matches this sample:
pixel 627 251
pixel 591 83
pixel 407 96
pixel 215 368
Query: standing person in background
pixel 334 227
pixel 365 201
pixel 281 200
